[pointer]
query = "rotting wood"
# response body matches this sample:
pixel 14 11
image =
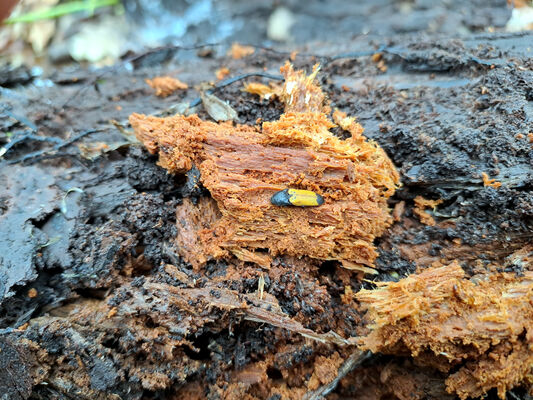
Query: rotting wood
pixel 166 85
pixel 480 327
pixel 243 166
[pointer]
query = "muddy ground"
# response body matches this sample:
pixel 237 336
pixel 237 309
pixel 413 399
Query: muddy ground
pixel 96 303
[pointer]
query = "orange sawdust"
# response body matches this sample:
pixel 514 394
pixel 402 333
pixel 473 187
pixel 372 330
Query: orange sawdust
pixel 243 166
pixel 239 51
pixel 165 85
pixel 222 73
pixel 490 182
pixel 420 209
pixel 478 330
pixel 348 123
pixel 112 312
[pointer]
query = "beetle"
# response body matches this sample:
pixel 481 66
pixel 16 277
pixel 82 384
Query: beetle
pixel 297 197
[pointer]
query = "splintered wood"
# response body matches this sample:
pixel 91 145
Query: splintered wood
pixel 479 330
pixel 243 166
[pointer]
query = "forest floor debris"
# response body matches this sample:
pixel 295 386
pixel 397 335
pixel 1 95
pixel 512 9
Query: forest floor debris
pixel 113 315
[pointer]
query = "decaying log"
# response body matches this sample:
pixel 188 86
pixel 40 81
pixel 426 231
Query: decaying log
pixel 103 306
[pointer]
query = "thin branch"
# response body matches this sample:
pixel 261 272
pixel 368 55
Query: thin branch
pixel 21 137
pixel 133 59
pixel 356 54
pixel 237 78
pixel 46 153
pixel 23 120
pixel 355 360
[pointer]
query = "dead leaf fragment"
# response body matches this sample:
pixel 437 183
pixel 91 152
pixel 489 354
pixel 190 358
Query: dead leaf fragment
pixel 40 33
pixel 218 109
pixel 92 151
pixel 92 43
pixel 262 90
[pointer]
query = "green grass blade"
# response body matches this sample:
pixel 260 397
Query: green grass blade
pixel 62 9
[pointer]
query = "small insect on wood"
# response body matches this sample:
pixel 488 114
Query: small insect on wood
pixel 297 197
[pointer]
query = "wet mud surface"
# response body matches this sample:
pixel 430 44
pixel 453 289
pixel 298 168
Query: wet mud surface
pixel 95 301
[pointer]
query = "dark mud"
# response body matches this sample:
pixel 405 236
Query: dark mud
pixel 117 312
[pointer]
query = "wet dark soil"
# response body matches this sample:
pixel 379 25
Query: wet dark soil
pixel 116 312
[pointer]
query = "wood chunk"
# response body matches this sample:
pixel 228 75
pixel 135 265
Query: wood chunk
pixel 166 85
pixel 481 327
pixel 222 73
pixel 239 51
pixel 490 182
pixel 504 367
pixel 243 166
pixel 420 209
pixel 300 93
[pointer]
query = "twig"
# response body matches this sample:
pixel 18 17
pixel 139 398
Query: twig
pixel 414 57
pixel 286 53
pixel 356 54
pixel 44 153
pixel 137 57
pixel 23 136
pixel 355 360
pixel 237 78
pixel 133 59
pixel 23 120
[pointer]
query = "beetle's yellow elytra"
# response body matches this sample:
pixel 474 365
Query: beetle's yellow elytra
pixel 297 197
pixel 304 198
